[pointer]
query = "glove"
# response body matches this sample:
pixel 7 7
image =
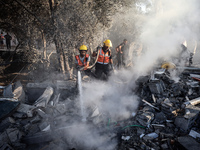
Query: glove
pixel 85 68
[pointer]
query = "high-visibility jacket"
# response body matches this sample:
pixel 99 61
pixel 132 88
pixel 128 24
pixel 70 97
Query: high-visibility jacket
pixel 80 63
pixel 104 58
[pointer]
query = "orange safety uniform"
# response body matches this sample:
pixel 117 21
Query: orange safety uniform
pixel 104 58
pixel 80 62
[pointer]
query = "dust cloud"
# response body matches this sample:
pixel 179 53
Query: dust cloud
pixel 161 32
pixel 171 24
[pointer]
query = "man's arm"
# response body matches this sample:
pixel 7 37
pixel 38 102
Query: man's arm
pixel 117 49
pixel 87 64
pixel 76 64
pixel 120 49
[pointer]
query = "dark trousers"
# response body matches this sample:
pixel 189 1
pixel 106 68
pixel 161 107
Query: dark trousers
pixel 120 60
pixel 100 69
pixel 8 44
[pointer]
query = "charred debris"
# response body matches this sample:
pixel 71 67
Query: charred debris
pixel 41 115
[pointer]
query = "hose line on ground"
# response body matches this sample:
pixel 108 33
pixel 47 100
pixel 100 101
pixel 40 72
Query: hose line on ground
pixel 133 126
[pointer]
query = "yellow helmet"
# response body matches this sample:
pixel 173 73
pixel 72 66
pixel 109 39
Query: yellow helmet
pixel 83 48
pixel 108 43
pixel 168 65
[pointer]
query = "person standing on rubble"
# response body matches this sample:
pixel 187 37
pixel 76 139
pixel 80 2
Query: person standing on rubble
pixel 121 50
pixel 83 59
pixel 8 39
pixel 184 55
pixel 104 62
pixel 1 40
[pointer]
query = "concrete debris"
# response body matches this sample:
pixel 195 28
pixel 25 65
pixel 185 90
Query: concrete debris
pixel 194 134
pixel 150 136
pixel 7 107
pixel 35 90
pixel 188 143
pixel 14 134
pixel 27 109
pixel 6 147
pixel 126 138
pixel 167 116
pixel 194 102
pixel 7 92
pixel 65 85
pixel 169 112
pixel 44 98
pixel 18 92
pixel 44 126
pixel 7 122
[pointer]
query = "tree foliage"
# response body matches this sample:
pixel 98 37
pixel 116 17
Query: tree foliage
pixel 66 23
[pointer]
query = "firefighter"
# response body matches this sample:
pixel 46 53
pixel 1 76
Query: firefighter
pixel 104 62
pixel 121 50
pixel 83 59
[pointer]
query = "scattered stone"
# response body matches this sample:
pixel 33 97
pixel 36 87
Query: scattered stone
pixel 188 143
pixel 44 98
pixel 14 134
pixel 27 109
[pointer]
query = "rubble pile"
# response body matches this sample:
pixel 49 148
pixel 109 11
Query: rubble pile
pixel 28 118
pixel 168 115
pixel 46 116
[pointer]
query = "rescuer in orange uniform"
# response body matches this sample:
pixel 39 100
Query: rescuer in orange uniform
pixel 104 62
pixel 83 59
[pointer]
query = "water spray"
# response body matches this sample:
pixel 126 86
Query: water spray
pixel 80 89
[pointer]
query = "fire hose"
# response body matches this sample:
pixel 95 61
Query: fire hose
pixel 90 67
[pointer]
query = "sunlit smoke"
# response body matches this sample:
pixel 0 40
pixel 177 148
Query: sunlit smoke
pixel 160 34
pixel 164 31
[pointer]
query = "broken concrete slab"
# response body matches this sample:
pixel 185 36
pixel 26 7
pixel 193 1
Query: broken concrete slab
pixel 150 136
pixel 6 147
pixel 145 118
pixel 27 109
pixel 65 85
pixel 7 108
pixel 193 102
pixel 4 124
pixel 7 92
pixel 40 137
pixel 194 134
pixel 41 113
pixel 156 86
pixel 35 90
pixel 18 91
pixel 189 143
pixel 44 126
pixel 14 134
pixel 185 122
pixel 19 115
pixel 44 98
pixel 4 138
pixel 160 118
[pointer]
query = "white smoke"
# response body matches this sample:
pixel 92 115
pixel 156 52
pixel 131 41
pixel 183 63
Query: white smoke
pixel 161 33
pixel 164 31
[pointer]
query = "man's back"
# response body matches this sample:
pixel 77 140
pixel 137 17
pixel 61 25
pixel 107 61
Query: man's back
pixel 8 37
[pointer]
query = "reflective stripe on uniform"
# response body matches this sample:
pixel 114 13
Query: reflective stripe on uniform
pixel 103 58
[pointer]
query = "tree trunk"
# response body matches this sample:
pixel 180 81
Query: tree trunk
pixel 57 40
pixel 44 46
pixel 68 69
pixel 30 39
pixel 60 55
